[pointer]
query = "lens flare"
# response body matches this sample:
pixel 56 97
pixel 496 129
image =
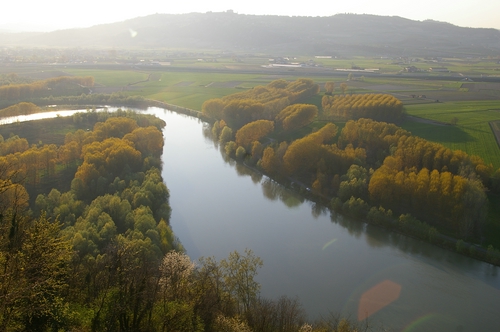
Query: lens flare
pixel 377 298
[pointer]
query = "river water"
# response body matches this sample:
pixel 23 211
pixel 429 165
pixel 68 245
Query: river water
pixel 330 263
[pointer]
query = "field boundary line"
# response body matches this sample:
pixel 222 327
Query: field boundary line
pixel 495 130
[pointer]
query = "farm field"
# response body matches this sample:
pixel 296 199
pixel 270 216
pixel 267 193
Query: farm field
pixel 432 104
pixel 470 105
pixel 472 132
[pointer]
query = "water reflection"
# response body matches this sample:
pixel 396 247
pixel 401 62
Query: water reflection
pixel 275 191
pixel 354 227
pixel 244 170
pixel 435 284
pixel 318 210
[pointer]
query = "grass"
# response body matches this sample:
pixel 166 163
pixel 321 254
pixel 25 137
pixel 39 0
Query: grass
pixel 492 229
pixel 472 133
pixel 46 131
pixel 190 89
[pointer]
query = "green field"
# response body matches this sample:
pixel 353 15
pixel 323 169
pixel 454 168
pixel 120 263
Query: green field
pixel 472 132
pixel 469 105
pixel 452 112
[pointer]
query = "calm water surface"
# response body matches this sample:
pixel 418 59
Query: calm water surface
pixel 331 264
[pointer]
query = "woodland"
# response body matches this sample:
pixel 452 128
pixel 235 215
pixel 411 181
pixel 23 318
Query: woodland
pixel 369 169
pixel 101 256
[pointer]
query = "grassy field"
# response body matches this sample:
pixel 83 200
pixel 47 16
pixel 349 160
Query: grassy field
pixel 472 132
pixel 471 106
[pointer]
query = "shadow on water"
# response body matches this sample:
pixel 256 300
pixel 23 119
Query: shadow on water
pixel 375 236
pixel 274 191
pixel 354 227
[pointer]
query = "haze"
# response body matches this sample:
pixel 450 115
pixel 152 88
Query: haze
pixel 51 15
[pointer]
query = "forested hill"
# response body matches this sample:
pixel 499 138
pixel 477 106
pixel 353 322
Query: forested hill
pixel 342 34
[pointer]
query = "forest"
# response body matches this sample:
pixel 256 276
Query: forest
pixel 102 256
pixel 369 169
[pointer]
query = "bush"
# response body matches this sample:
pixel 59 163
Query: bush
pixel 230 148
pixel 460 246
pixel 240 152
pixel 355 207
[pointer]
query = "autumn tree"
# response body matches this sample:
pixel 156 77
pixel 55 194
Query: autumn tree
pixel 296 116
pixel 343 87
pixel 253 131
pixel 305 152
pixel 269 162
pixel 329 87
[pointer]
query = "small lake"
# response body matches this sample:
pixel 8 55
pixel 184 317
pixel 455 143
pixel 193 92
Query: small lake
pixel 328 262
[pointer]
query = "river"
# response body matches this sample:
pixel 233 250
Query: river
pixel 328 262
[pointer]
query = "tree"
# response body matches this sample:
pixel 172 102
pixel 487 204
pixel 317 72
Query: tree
pixel 297 116
pixel 343 87
pixel 34 277
pixel 269 161
pixel 253 131
pixel 213 108
pixel 176 272
pixel 240 153
pixel 239 273
pixel 226 135
pixel 329 87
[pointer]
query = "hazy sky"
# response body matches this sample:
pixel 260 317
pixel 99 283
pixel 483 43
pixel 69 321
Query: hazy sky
pixel 49 15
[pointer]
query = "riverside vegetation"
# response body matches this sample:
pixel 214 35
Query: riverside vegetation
pixel 112 234
pixel 372 170
pixel 101 256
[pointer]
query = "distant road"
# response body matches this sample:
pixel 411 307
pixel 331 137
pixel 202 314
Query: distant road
pixel 306 71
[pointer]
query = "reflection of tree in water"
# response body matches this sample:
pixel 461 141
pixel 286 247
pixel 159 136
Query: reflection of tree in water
pixel 243 170
pixel 206 131
pixel 269 189
pixel 318 209
pixel 377 237
pixel 354 227
pixel 274 191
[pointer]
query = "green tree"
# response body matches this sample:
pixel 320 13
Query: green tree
pixel 239 273
pixel 34 277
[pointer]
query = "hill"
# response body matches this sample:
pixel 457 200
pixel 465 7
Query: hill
pixel 338 35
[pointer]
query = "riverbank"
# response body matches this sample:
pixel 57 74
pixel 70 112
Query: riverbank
pixel 360 210
pixel 404 224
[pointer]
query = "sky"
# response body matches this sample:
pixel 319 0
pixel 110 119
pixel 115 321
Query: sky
pixel 49 15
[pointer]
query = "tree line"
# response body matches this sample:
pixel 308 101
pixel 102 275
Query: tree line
pixel 102 256
pixel 259 103
pixel 382 107
pixel 368 163
pixel 44 88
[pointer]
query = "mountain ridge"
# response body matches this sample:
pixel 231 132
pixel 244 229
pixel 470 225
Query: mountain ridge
pixel 340 34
